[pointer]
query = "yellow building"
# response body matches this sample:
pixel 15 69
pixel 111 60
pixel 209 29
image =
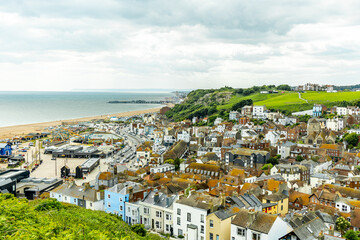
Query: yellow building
pixel 219 223
pixel 281 200
pixel 270 208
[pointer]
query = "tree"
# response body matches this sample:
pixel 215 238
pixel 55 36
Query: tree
pixel 352 139
pixel 273 161
pixel 304 118
pixel 299 158
pixel 342 225
pixel 267 166
pixel 237 106
pixel 352 235
pixel 284 87
pixel 177 162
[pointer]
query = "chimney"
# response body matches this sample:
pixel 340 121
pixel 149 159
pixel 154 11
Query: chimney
pixel 86 185
pixel 156 196
pixel 223 202
pixel 251 215
pixel 130 191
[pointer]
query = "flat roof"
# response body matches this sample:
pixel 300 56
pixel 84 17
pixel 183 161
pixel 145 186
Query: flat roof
pixel 90 162
pixel 11 173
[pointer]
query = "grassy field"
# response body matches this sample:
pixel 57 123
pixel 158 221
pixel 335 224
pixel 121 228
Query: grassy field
pixel 324 97
pixel 290 101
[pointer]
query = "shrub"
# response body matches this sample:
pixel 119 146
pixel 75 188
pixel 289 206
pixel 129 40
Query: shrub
pixel 139 229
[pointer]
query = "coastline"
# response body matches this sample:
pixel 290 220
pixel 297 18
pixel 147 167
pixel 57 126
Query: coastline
pixel 19 130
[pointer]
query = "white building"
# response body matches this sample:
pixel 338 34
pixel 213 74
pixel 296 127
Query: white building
pixel 287 171
pixel 156 212
pixel 342 111
pixel 274 136
pixel 343 204
pixel 218 121
pixel 318 179
pixel 259 111
pixel 190 217
pixel 284 149
pixel 234 115
pixel 250 226
pixel 286 121
pixel 353 110
pixel 169 139
pixel 163 168
pixel 184 136
pixel 335 124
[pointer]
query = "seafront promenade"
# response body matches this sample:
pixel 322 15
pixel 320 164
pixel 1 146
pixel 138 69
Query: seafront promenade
pixel 17 130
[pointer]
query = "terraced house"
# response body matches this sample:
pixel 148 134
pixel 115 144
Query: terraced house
pixel 117 196
pixel 156 212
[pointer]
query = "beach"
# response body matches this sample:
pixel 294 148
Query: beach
pixel 20 130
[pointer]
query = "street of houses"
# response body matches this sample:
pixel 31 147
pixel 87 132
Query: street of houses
pixel 233 180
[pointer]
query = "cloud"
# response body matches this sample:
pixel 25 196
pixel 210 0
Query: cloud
pixel 63 45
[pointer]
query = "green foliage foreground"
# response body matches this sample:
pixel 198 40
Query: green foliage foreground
pixel 49 219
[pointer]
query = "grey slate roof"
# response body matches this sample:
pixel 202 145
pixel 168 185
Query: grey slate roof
pixel 162 201
pixel 308 227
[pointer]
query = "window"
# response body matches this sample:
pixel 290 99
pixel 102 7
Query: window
pixel 109 205
pixel 121 208
pixel 211 236
pixel 202 229
pixel 128 209
pixel 344 208
pixel 211 223
pixel 65 198
pixel 133 212
pixel 168 216
pixel 108 195
pixel 233 238
pixel 189 217
pixel 120 199
pixel 74 200
pixel 90 204
pixel 202 218
pixel 241 231
pixel 178 221
pixel 157 224
pixel 217 237
pixel 145 221
pixel 146 210
pixel 167 227
pixel 158 214
pixel 178 211
pixel 282 207
pixel 255 236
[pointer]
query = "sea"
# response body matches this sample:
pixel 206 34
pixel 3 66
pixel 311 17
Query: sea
pixel 34 107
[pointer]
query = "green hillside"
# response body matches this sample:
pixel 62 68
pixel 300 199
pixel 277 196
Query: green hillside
pixel 218 102
pixel 49 219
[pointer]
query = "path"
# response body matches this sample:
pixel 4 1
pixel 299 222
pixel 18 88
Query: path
pixel 302 98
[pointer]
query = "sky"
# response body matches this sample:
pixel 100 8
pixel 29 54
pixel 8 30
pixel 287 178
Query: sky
pixel 60 45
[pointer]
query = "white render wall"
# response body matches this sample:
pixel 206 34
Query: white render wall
pixel 195 219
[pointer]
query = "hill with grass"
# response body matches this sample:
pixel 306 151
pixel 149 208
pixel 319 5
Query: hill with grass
pixel 49 219
pixel 218 102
